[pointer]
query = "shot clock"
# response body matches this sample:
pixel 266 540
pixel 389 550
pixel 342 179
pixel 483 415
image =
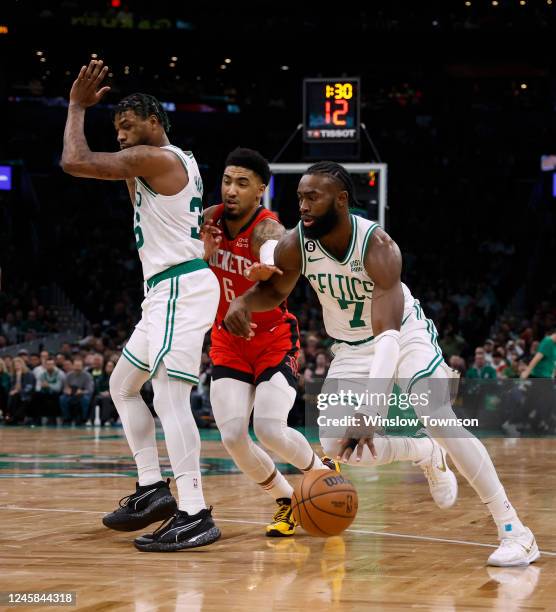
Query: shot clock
pixel 331 110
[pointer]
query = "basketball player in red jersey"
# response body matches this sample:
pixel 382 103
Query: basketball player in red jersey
pixel 256 375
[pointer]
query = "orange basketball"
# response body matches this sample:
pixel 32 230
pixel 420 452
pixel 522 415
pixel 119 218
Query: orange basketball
pixel 324 503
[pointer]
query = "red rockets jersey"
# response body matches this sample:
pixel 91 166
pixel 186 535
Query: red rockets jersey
pixel 229 263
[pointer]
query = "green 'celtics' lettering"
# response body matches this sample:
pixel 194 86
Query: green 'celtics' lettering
pixel 357 321
pixel 196 204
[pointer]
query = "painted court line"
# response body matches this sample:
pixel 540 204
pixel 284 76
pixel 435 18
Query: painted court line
pixel 358 531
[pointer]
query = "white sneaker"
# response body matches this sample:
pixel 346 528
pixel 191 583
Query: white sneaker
pixel 443 484
pixel 515 550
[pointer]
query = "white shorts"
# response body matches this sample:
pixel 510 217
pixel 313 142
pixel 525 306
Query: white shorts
pixel 420 355
pixel 176 314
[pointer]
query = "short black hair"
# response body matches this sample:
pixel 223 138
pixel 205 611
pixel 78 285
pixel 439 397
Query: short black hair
pixel 144 105
pixel 338 173
pixel 250 159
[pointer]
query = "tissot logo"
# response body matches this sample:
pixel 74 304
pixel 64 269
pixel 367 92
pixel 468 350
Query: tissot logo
pixel 310 246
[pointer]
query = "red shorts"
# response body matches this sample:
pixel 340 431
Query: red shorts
pixel 256 360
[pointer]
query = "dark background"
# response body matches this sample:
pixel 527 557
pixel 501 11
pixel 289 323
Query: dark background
pixel 458 99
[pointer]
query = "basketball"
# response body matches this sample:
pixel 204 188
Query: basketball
pixel 324 503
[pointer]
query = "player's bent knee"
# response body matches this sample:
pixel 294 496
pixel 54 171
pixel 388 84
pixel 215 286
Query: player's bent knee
pixel 269 431
pixel 235 435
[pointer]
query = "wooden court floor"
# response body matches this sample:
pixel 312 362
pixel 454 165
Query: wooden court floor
pixel 401 553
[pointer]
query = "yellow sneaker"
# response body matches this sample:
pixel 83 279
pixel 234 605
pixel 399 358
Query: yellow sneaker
pixel 331 463
pixel 283 523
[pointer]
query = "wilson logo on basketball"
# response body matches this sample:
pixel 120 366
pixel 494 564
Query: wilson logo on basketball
pixel 332 481
pixel 349 505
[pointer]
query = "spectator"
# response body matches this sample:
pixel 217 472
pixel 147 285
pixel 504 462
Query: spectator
pixel 77 394
pixel 319 369
pixel 5 384
pixel 499 362
pixel 39 370
pixel 489 351
pixel 451 343
pixel 108 413
pixel 49 387
pixel 20 394
pixel 9 328
pixel 544 361
pixel 480 368
pixel 457 363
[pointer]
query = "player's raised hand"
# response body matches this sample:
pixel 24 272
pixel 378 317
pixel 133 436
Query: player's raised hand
pixel 211 237
pixel 86 89
pixel 356 438
pixel 260 272
pixel 238 320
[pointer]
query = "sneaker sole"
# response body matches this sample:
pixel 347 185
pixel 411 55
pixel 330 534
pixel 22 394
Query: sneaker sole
pixel 274 533
pixel 531 558
pixel 159 511
pixel 204 539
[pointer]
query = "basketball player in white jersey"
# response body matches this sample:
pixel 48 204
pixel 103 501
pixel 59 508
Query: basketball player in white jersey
pixel 381 335
pixel 181 297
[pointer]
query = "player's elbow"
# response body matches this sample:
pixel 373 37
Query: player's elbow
pixel 69 166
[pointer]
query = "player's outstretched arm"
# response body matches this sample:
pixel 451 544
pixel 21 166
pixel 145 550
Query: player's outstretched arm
pixel 264 240
pixel 268 294
pixel 77 157
pixel 383 263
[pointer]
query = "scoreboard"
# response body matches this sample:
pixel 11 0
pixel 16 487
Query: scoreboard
pixel 331 110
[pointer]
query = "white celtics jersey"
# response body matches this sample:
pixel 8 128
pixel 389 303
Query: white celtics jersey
pixel 167 227
pixel 344 289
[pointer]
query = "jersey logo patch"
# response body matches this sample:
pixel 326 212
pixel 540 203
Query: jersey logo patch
pixel 199 184
pixel 356 266
pixel 242 242
pixel 310 246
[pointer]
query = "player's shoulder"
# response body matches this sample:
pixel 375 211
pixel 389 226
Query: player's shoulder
pixel 211 213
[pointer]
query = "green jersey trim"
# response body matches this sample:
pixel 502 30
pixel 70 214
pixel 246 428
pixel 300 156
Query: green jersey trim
pixel 134 361
pixel 169 329
pixel 350 247
pixel 181 160
pixel 353 342
pixel 368 235
pixel 190 378
pixel 302 245
pixel 144 183
pixel 184 268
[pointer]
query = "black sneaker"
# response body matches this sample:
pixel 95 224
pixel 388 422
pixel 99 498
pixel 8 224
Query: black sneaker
pixel 149 504
pixel 182 531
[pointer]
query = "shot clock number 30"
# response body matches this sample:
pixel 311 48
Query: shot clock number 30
pixel 331 110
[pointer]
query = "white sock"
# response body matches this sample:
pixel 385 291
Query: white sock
pixel 316 464
pixel 504 515
pixel 148 466
pixel 190 492
pixel 139 427
pixel 277 486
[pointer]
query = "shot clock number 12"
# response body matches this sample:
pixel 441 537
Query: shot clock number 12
pixel 331 110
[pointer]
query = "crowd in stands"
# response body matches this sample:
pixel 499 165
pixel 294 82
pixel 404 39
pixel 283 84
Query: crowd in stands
pixel 72 386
